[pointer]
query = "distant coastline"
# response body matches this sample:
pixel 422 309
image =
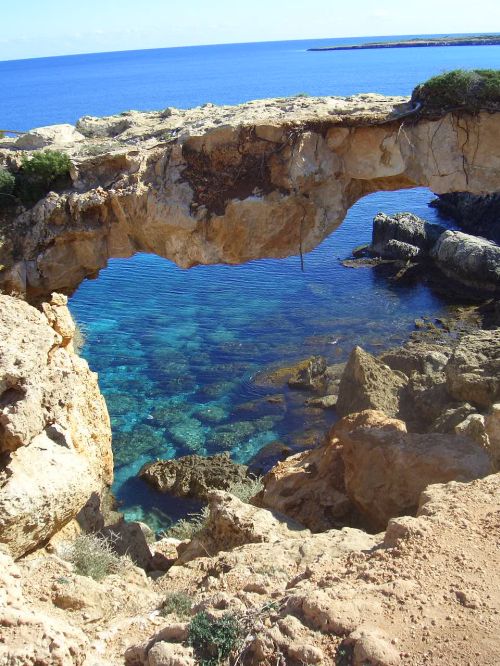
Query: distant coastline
pixel 479 40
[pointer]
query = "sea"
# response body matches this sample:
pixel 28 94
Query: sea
pixel 186 357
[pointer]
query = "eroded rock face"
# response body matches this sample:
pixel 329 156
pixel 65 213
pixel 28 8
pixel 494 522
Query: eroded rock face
pixel 29 636
pixel 309 487
pixel 54 425
pixel 473 372
pixel 387 469
pixel 202 185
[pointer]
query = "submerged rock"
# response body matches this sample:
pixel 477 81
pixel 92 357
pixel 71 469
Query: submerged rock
pixel 193 476
pixel 310 375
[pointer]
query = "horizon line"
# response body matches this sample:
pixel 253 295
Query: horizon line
pixel 265 41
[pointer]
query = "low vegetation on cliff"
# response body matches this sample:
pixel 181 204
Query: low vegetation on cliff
pixel 7 183
pixel 471 90
pixel 38 174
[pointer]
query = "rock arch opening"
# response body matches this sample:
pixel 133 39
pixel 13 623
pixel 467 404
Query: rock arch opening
pixel 199 361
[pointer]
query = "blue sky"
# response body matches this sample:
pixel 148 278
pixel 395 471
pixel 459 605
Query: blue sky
pixel 35 28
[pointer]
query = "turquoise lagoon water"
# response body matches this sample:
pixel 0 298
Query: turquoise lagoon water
pixel 179 352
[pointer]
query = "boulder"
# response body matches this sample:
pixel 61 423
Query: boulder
pixel 309 487
pixel 53 136
pixel 386 469
pixel 193 476
pixel 472 260
pixel 420 356
pixel 473 371
pixel 373 648
pixel 403 236
pixel 367 383
pixel 166 654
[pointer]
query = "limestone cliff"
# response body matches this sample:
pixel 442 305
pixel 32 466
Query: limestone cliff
pixel 55 437
pixel 230 184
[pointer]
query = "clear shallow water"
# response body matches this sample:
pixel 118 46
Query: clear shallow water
pixel 178 351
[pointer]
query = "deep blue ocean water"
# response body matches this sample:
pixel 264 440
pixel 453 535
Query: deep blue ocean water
pixel 179 352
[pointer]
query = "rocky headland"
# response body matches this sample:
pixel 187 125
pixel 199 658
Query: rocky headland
pixel 419 42
pixel 378 547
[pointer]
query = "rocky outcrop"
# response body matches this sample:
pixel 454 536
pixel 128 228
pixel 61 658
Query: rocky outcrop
pixel 54 427
pixel 387 469
pixel 470 259
pixel 369 471
pixel 202 185
pixel 403 236
pixel 478 215
pixel 473 371
pixel 463 258
pixel 233 523
pixel 402 596
pixel 309 487
pixel 367 383
pixel 194 476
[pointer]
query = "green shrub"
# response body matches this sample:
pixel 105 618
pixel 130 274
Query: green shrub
pixel 187 528
pixel 471 90
pixel 79 338
pixel 213 639
pixel 93 556
pixel 245 489
pixel 177 603
pixel 7 184
pixel 39 173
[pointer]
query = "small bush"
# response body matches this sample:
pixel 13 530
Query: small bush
pixel 246 488
pixel 39 172
pixel 79 338
pixel 186 529
pixel 471 90
pixel 213 640
pixel 93 556
pixel 7 184
pixel 177 603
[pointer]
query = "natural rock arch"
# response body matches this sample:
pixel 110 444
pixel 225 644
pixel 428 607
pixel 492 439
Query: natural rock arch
pixel 231 184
